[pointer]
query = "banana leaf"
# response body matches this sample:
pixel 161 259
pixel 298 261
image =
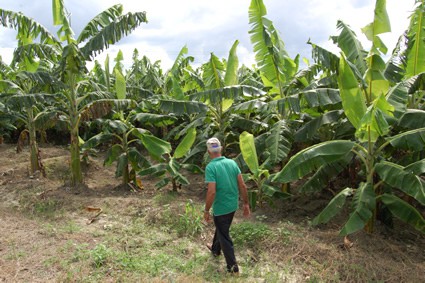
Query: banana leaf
pixel 192 168
pixel 28 29
pixel 212 73
pixel 404 211
pixel 284 105
pixel 412 119
pixel 248 106
pixel 411 140
pixel 322 97
pixel 136 159
pixel 353 101
pixel 35 50
pixel 309 129
pixel 120 85
pixel 398 96
pixel 229 92
pixel 182 107
pixel 278 143
pixel 156 146
pixel 333 207
pixel 416 41
pixel 185 145
pixel 174 168
pixel 272 192
pixel 122 164
pixel 249 153
pixel 324 58
pixel 231 76
pixel 398 177
pixel 374 124
pixel 157 170
pixel 324 175
pixel 112 154
pixel 96 140
pixel 157 120
pixel 351 46
pixel 364 202
pixel 416 168
pixel 247 124
pixel 100 21
pixel 112 33
pixel 312 158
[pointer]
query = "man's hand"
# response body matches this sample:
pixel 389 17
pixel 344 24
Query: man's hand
pixel 246 211
pixel 207 217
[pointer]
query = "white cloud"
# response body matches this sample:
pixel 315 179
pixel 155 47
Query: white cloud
pixel 213 26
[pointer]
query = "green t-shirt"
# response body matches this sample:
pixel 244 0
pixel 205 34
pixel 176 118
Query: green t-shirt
pixel 224 173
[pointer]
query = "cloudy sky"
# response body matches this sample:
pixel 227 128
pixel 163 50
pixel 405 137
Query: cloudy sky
pixel 206 26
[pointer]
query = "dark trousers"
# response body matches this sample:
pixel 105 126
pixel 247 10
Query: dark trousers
pixel 222 241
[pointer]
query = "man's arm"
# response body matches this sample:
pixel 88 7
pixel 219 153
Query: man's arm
pixel 209 200
pixel 244 194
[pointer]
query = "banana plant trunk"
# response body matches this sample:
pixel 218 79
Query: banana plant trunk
pixel 76 174
pixel 175 186
pixel 34 160
pixel 125 173
pixel 369 227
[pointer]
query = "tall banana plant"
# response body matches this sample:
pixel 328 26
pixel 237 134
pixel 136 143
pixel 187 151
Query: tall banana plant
pixel 27 84
pixel 127 141
pixel 222 94
pixel 170 166
pixel 26 94
pixel 273 61
pixel 260 174
pixel 367 108
pixel 7 122
pixel 106 28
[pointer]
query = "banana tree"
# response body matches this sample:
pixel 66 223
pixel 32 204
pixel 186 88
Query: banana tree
pixel 170 166
pixel 365 197
pixel 106 28
pixel 127 141
pixel 26 96
pixel 275 65
pixel 260 174
pixel 144 74
pixel 222 95
pixel 7 121
pixel 367 108
pixel 26 83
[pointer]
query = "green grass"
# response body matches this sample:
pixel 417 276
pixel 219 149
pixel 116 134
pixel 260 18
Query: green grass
pixel 164 241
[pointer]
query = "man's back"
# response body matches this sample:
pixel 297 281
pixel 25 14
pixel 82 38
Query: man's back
pixel 224 172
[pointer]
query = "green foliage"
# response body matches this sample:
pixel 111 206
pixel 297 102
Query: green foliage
pixel 259 174
pixel 249 234
pixel 170 167
pixel 190 222
pixel 100 255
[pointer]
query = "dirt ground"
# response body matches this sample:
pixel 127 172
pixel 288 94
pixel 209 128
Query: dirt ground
pixel 33 249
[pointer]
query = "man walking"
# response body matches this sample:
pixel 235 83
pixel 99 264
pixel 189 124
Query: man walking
pixel 225 182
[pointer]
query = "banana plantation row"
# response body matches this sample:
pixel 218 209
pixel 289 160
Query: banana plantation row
pixel 280 123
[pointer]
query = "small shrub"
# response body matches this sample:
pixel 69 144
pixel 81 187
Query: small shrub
pixel 100 254
pixel 190 223
pixel 249 233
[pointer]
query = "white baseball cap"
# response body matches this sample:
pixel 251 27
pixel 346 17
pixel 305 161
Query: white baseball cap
pixel 213 145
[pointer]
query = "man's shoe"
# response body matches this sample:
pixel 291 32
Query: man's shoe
pixel 210 249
